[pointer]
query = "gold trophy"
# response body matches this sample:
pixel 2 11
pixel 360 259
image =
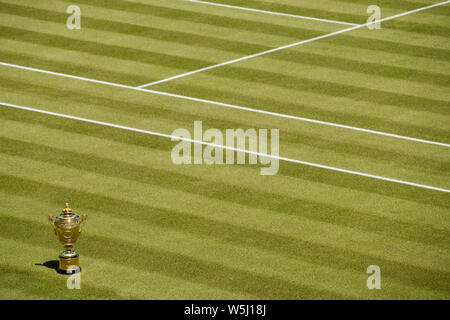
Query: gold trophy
pixel 67 227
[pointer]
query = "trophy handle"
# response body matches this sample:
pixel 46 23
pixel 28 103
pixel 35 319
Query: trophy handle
pixel 82 221
pixel 51 219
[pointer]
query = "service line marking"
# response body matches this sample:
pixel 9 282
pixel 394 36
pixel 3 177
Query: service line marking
pixel 290 45
pixel 226 105
pixel 272 12
pixel 176 138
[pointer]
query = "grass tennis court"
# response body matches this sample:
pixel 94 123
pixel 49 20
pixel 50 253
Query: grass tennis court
pixel 158 230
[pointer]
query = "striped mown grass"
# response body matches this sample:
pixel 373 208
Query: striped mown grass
pixel 161 231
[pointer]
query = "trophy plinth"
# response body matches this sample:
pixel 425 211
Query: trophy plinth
pixel 67 227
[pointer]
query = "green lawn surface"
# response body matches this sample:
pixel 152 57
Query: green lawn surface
pixel 161 231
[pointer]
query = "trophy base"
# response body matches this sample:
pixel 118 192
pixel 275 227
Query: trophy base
pixel 69 272
pixel 69 263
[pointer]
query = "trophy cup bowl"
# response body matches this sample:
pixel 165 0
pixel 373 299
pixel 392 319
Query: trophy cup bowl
pixel 67 227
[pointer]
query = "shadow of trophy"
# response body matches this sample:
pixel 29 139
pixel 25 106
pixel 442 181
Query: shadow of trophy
pixel 67 227
pixel 51 264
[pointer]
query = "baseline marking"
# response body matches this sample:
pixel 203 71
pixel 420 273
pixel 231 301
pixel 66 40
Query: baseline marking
pixel 291 45
pixel 226 105
pixel 272 12
pixel 223 147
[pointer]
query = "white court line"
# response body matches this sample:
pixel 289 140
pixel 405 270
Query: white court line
pixel 176 138
pixel 226 105
pixel 290 45
pixel 272 12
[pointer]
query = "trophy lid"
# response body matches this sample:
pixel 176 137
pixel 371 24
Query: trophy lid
pixel 67 211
